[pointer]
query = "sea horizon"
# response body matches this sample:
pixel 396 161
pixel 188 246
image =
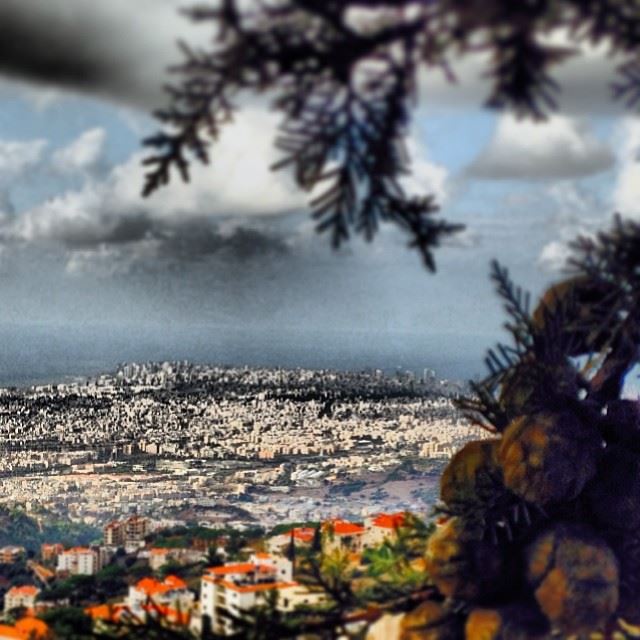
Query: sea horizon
pixel 34 355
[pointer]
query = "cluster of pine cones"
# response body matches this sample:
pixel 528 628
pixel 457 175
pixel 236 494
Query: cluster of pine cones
pixel 540 532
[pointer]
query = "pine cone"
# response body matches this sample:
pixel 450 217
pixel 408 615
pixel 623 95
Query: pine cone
pixel 430 621
pixel 516 621
pixel 575 578
pixel 584 313
pixel 472 475
pixel 461 566
pixel 549 457
pixel 530 386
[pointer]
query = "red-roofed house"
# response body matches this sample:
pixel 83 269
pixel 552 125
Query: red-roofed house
pixel 230 591
pixel 342 534
pixel 50 551
pixel 383 526
pixel 106 612
pixel 302 536
pixel 21 596
pixel 170 599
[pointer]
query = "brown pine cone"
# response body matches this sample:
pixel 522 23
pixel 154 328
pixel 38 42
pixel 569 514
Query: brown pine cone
pixel 527 387
pixel 471 472
pixel 462 566
pixel 584 306
pixel 517 621
pixel 575 578
pixel 430 621
pixel 549 457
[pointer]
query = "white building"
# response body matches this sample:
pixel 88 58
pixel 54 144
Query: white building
pixel 381 527
pixel 342 534
pixel 170 599
pixel 302 537
pixel 22 596
pixel 159 556
pixel 79 561
pixel 232 590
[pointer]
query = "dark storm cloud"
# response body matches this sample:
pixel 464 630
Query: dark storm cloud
pixel 121 49
pixel 48 50
pixel 109 230
pixel 116 48
pixel 199 239
pixel 144 240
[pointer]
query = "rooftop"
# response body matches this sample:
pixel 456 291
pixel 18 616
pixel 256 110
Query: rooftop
pixel 24 590
pixel 345 528
pixel 152 587
pixel 390 520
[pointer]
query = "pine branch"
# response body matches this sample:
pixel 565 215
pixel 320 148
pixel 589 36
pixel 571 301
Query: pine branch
pixel 346 90
pixel 627 87
pixel 516 304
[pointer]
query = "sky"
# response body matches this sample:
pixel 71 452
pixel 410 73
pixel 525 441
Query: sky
pixel 229 266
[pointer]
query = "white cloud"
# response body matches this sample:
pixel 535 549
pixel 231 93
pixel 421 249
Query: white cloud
pixel 106 219
pixel 238 181
pixel 18 157
pixel 554 256
pixel 577 211
pixel 626 192
pixel 86 154
pixel 559 148
pixel 426 177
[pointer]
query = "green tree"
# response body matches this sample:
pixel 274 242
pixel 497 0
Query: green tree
pixel 16 613
pixel 173 568
pixel 291 549
pixel 316 543
pixel 111 581
pixel 214 559
pixel 71 623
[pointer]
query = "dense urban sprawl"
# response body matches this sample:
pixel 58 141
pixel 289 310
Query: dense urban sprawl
pixel 178 477
pixel 178 442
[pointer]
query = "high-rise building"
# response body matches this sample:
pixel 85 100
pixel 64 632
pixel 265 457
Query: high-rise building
pixel 129 532
pixel 135 530
pixel 113 534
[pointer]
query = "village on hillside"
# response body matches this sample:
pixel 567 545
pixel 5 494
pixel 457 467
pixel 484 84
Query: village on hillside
pixel 198 580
